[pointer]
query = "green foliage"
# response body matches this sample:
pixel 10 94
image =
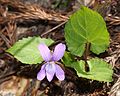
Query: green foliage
pixel 26 50
pixel 98 69
pixel 86 26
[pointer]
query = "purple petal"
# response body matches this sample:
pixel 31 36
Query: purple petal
pixel 50 71
pixel 59 72
pixel 41 73
pixel 58 52
pixel 45 52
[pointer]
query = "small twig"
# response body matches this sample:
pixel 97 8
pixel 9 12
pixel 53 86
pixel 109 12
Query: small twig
pixel 53 28
pixel 5 40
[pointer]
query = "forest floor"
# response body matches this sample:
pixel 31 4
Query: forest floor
pixel 46 18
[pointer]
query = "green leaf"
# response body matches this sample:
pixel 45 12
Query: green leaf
pixel 86 26
pixel 98 70
pixel 26 50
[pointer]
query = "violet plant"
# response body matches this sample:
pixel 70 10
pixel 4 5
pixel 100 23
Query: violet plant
pixel 85 34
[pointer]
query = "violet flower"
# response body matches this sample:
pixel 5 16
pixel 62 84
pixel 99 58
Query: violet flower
pixel 50 68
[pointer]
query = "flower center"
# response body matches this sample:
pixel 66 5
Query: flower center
pixel 50 67
pixel 51 62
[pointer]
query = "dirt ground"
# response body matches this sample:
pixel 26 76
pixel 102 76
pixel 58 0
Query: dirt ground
pixel 46 18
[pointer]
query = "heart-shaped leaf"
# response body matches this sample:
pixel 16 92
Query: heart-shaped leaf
pixel 98 70
pixel 86 26
pixel 26 50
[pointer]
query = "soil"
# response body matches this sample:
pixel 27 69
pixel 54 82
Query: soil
pixel 46 18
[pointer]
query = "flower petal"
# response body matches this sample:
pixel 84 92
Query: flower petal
pixel 59 72
pixel 45 52
pixel 41 73
pixel 50 71
pixel 58 52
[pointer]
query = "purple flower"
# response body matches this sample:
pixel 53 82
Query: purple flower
pixel 50 68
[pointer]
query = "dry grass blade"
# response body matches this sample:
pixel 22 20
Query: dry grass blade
pixel 115 90
pixel 114 20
